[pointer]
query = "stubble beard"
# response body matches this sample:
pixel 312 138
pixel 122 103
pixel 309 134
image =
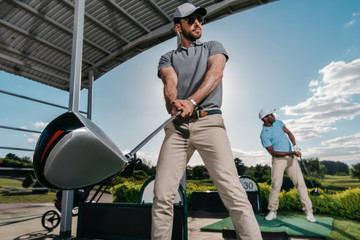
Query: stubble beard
pixel 190 35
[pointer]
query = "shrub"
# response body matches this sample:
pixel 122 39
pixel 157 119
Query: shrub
pixel 28 181
pixel 264 195
pixel 344 204
pixel 127 192
pixel 140 175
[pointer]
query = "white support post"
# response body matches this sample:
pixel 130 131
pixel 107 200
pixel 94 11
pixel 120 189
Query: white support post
pixel 74 102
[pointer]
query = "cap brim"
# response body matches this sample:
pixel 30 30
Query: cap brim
pixel 201 11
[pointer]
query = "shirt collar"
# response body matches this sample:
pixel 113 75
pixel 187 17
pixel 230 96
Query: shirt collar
pixel 198 43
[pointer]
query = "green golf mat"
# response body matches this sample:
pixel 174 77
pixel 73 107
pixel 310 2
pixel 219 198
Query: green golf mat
pixel 292 226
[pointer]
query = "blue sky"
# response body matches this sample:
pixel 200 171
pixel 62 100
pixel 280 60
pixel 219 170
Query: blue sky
pixel 301 57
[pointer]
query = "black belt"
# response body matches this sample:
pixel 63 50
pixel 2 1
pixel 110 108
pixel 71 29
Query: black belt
pixel 203 113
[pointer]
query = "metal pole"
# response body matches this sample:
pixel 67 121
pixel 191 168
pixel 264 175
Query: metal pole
pixel 35 100
pixel 90 94
pixel 74 100
pixel 76 57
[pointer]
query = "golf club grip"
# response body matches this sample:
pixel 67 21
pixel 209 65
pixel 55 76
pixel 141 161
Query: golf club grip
pixel 138 147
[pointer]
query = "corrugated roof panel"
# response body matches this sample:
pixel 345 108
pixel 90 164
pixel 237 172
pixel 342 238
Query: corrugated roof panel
pixel 36 35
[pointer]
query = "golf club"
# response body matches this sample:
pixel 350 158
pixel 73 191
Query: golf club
pixel 72 152
pixel 315 191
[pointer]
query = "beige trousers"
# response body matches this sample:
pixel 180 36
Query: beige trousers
pixel 208 136
pixel 291 166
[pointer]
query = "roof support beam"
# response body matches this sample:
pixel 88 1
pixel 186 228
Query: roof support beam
pixel 166 29
pixel 160 10
pixel 94 20
pixel 56 24
pixel 31 67
pixel 36 38
pixel 34 77
pixel 35 59
pixel 120 9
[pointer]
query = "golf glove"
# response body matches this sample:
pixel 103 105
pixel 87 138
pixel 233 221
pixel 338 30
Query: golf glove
pixel 297 148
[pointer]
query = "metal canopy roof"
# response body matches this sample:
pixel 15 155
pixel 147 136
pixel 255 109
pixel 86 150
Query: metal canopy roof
pixel 36 35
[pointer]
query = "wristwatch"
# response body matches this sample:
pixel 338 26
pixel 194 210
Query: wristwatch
pixel 193 103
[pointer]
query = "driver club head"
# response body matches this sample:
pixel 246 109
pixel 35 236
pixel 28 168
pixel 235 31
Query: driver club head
pixel 315 192
pixel 72 152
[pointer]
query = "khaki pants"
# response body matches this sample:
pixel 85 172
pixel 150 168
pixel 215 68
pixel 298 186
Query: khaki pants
pixel 208 136
pixel 291 166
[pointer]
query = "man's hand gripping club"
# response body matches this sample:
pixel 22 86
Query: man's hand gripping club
pixel 183 105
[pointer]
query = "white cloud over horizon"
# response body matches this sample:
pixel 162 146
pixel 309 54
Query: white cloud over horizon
pixel 331 101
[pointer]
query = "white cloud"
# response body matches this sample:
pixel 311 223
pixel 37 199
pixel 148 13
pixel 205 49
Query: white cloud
pixel 314 83
pixel 350 23
pixel 344 148
pixel 34 138
pixel 251 158
pixel 40 124
pixel 330 102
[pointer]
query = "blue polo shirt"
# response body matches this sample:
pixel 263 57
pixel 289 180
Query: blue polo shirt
pixel 276 137
pixel 191 65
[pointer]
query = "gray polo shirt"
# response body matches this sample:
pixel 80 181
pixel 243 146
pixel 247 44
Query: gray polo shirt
pixel 190 65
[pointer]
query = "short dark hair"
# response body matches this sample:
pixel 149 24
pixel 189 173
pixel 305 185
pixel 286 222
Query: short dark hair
pixel 177 20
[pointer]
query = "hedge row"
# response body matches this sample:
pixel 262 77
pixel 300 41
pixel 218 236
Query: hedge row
pixel 344 204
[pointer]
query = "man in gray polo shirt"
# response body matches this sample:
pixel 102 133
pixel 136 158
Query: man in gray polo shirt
pixel 192 77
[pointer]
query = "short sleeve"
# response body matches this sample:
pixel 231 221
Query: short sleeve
pixel 165 61
pixel 216 47
pixel 281 123
pixel 265 141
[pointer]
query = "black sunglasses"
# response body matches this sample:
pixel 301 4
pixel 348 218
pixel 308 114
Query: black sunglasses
pixel 192 19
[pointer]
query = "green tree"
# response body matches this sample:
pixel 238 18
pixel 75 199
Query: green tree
pixel 355 171
pixel 11 160
pixel 314 167
pixel 337 167
pixel 260 173
pixel 200 172
pixel 240 166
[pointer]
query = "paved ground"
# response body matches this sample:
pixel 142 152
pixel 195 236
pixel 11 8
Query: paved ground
pixel 23 222
pixel 19 221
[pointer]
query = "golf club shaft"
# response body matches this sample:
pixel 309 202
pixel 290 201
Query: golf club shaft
pixel 303 163
pixel 138 147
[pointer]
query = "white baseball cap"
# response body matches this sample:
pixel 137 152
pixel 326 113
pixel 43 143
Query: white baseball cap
pixel 265 111
pixel 187 9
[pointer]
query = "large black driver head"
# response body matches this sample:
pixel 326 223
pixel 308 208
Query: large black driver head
pixel 72 152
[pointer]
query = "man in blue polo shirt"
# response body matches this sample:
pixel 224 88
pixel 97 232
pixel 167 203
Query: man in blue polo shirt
pixel 275 138
pixel 192 77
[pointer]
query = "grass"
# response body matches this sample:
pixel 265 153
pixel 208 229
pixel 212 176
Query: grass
pixel 26 197
pixel 339 182
pixel 10 183
pixel 23 196
pixel 343 229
